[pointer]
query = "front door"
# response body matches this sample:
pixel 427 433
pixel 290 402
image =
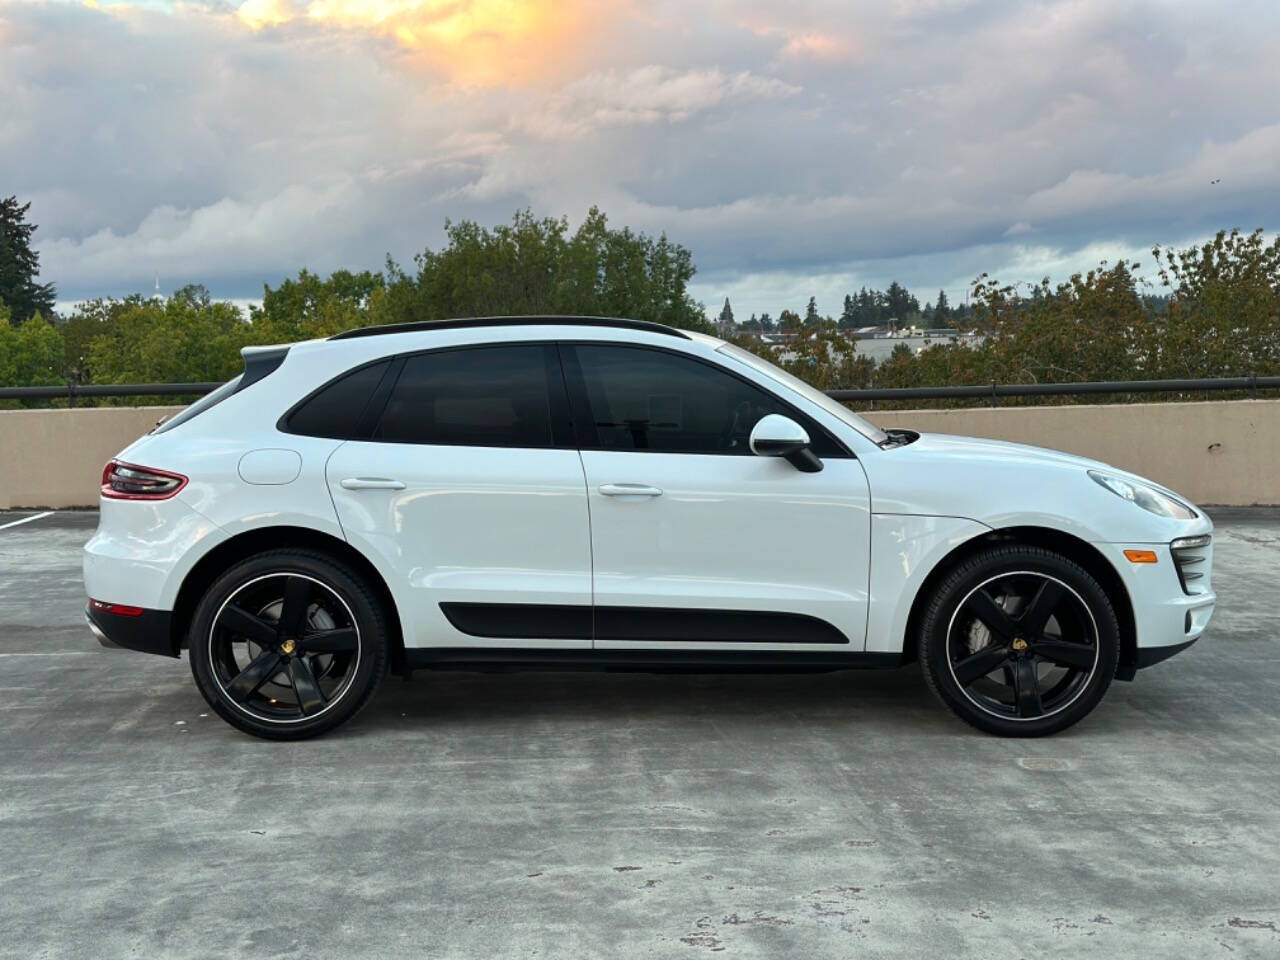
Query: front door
pixel 470 493
pixel 696 542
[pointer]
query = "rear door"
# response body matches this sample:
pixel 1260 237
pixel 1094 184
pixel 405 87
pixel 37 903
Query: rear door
pixel 697 543
pixel 469 491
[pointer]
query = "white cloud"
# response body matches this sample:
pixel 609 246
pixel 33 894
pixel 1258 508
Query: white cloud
pixel 643 96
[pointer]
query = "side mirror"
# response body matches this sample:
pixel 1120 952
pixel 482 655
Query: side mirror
pixel 779 436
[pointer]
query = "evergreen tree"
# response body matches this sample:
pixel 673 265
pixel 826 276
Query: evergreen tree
pixel 811 312
pixel 900 303
pixel 20 265
pixel 942 310
pixel 849 316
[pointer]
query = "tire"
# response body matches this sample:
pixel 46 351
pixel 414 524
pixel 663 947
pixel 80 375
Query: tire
pixel 1041 624
pixel 288 644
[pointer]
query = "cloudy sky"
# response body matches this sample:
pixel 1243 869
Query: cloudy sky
pixel 796 146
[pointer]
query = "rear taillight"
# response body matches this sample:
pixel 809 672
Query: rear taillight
pixel 128 481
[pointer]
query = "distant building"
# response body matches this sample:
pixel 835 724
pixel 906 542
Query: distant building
pixel 725 325
pixel 877 343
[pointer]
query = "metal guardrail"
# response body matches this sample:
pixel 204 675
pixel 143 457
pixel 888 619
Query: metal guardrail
pixel 992 391
pixel 71 391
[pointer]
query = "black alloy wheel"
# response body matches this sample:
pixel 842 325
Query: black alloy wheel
pixel 1019 641
pixel 288 644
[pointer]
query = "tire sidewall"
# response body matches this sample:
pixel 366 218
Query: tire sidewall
pixel 350 587
pixel 995 562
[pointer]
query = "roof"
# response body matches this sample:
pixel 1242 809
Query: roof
pixel 428 325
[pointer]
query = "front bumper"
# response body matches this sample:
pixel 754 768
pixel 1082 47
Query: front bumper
pixel 1166 617
pixel 1147 656
pixel 147 631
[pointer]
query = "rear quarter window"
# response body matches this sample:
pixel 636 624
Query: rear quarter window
pixel 337 409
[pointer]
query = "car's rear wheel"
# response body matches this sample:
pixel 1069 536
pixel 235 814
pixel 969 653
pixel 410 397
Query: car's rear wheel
pixel 288 644
pixel 1019 641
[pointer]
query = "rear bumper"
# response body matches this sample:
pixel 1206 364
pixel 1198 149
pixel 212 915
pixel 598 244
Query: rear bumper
pixel 148 631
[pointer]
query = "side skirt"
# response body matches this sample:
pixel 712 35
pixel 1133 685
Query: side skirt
pixel 494 659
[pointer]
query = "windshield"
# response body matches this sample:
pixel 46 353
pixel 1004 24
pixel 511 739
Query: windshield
pixel 833 407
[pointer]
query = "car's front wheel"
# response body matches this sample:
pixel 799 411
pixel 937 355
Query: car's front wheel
pixel 1019 641
pixel 288 644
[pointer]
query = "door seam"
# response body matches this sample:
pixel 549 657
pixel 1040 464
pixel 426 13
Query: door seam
pixel 591 547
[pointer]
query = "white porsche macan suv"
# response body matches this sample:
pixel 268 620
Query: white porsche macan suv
pixel 567 492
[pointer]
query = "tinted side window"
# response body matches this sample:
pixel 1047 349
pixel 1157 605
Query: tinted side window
pixel 335 411
pixel 481 396
pixel 651 400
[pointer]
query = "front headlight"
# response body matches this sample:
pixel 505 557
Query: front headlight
pixel 1148 498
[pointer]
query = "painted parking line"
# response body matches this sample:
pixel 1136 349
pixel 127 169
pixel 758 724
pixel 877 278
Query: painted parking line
pixel 34 516
pixel 54 653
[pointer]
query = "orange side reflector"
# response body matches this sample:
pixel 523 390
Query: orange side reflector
pixel 1141 556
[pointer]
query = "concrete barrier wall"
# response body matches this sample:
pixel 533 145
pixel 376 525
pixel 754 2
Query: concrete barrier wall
pixel 1223 452
pixel 54 458
pixel 1216 452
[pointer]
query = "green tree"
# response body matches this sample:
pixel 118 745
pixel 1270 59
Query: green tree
pixel 310 307
pixel 941 310
pixel 821 355
pixel 20 265
pixel 537 266
pixel 88 320
pixel 811 315
pixel 175 341
pixel 849 315
pixel 1093 327
pixel 900 304
pixel 1223 314
pixel 30 355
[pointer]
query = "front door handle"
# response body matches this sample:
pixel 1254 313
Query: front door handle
pixel 629 490
pixel 371 483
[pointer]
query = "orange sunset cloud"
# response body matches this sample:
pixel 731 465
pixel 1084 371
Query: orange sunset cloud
pixel 475 42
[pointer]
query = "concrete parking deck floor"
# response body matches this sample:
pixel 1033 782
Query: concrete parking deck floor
pixel 603 815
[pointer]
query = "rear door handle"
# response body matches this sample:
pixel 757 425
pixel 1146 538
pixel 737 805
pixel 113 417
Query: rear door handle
pixel 629 490
pixel 371 483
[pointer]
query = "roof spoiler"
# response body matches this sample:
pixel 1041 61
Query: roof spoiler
pixel 260 361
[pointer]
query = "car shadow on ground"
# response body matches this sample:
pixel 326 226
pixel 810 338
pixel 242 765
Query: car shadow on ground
pixel 893 702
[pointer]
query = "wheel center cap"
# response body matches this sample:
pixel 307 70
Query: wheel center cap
pixel 288 646
pixel 1019 644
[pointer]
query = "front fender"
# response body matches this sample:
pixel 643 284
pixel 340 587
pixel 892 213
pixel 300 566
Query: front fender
pixel 906 549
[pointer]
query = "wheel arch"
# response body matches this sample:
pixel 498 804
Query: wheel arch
pixel 1070 546
pixel 246 544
